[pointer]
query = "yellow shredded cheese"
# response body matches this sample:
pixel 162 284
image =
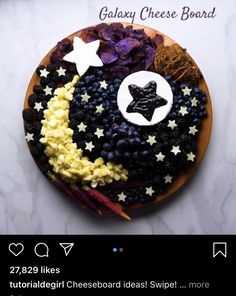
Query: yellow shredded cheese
pixel 67 160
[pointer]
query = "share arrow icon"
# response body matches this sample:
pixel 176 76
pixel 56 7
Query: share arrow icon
pixel 67 247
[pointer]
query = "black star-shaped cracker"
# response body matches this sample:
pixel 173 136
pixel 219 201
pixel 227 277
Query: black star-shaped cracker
pixel 145 100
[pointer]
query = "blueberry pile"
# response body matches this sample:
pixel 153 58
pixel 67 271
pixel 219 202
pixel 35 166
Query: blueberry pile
pixel 125 143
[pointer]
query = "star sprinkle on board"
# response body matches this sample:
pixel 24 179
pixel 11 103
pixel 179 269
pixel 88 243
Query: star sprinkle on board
pixel 186 91
pixel 160 157
pixel 172 124
pixel 145 100
pixel 61 71
pixel 38 106
pixel 85 97
pixel 99 132
pixel 99 109
pixel 103 84
pixel 183 110
pixel 149 191
pixel 194 102
pixel 193 130
pixel 84 55
pixel 121 196
pixel 82 127
pixel 47 90
pixel 44 73
pixel 151 140
pixel 175 150
pixel 89 146
pixel 191 156
pixel 29 137
pixel 168 179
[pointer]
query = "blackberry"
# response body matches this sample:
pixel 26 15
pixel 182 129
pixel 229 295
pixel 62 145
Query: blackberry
pixel 66 78
pixel 38 89
pixel 194 147
pixel 73 124
pixel 40 147
pixel 81 145
pixel 29 115
pixel 43 159
pixel 40 115
pixel 175 133
pixel 41 67
pixel 174 142
pixel 44 81
pixel 72 68
pixel 37 127
pixel 45 104
pixel 29 128
pixel 53 85
pixel 88 117
pixel 56 78
pixel 89 136
pixel 98 145
pixel 164 136
pixel 168 166
pixel 51 68
pixel 46 168
pixel 76 136
pixel 157 147
pixel 35 152
pixel 188 148
pixel 32 99
pixel 185 138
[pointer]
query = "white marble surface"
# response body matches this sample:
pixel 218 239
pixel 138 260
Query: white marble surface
pixel 29 204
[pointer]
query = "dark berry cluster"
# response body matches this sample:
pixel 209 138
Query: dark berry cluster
pixel 126 143
pixel 49 77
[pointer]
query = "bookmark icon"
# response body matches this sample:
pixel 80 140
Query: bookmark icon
pixel 219 248
pixel 66 247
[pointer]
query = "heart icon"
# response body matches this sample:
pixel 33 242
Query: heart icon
pixel 16 249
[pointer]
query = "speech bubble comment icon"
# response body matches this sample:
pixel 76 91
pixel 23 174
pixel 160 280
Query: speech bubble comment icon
pixel 41 250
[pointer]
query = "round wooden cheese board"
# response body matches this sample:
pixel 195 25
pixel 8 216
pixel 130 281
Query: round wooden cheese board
pixel 204 135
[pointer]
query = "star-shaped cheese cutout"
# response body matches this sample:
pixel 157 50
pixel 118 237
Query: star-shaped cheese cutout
pixel 194 102
pixel 103 84
pixel 160 156
pixel 29 137
pixel 186 91
pixel 175 150
pixel 149 190
pixel 99 132
pixel 168 179
pixel 121 196
pixel 191 156
pixel 44 73
pixel 38 106
pixel 99 109
pixel 85 97
pixel 84 55
pixel 193 130
pixel 61 71
pixel 172 124
pixel 89 146
pixel 82 127
pixel 183 110
pixel 151 140
pixel 48 90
